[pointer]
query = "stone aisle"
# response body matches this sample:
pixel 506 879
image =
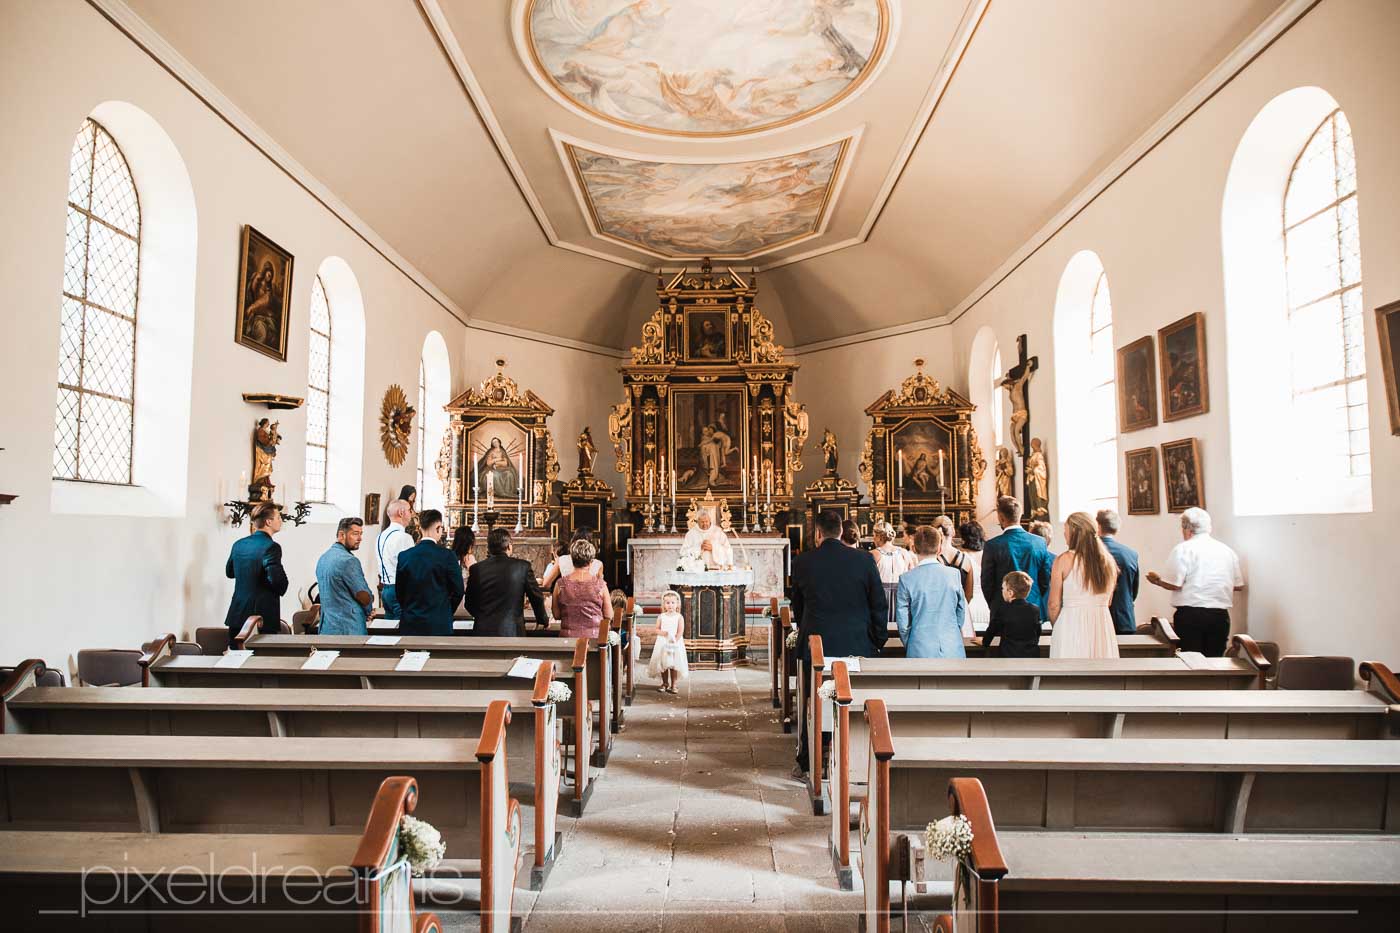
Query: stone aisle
pixel 696 825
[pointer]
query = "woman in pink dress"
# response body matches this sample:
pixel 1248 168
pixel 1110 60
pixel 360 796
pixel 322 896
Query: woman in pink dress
pixel 580 598
pixel 1081 588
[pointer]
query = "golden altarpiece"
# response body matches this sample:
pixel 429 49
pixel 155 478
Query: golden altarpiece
pixel 921 458
pixel 502 466
pixel 707 410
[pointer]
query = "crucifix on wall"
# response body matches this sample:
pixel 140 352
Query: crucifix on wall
pixel 1016 382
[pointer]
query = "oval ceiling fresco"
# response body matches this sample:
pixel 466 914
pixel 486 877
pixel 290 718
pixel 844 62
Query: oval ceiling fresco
pixel 704 68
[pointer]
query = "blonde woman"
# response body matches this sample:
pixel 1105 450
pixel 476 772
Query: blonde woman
pixel 1081 589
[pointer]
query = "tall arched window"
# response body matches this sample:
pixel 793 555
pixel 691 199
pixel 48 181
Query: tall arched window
pixel 422 437
pixel 1293 312
pixel 1085 391
pixel 1322 265
pixel 95 415
pixel 998 401
pixel 318 397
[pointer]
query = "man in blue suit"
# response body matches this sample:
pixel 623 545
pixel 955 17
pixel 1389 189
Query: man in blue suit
pixel 1015 549
pixel 255 566
pixel 429 581
pixel 1126 589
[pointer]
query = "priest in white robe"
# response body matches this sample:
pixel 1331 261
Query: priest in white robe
pixel 707 542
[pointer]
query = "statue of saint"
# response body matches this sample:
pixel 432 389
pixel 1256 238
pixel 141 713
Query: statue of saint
pixel 830 453
pixel 587 453
pixel 265 440
pixel 1038 476
pixel 1006 473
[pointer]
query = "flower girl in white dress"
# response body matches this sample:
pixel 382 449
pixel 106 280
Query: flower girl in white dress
pixel 668 661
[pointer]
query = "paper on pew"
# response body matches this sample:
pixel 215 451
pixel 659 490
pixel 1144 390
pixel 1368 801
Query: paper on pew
pixel 390 624
pixel 382 640
pixel 463 625
pixel 233 658
pixel 524 667
pixel 320 661
pixel 412 661
pixel 852 664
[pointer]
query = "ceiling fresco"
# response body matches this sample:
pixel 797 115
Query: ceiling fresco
pixel 722 209
pixel 704 67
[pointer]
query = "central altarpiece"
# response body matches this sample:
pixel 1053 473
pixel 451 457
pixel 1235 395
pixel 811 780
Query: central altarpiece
pixel 707 411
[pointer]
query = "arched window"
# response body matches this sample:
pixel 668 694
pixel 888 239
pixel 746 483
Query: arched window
pixel 95 415
pixel 318 397
pixel 1086 394
pixel 1293 312
pixel 422 419
pixel 1322 264
pixel 998 401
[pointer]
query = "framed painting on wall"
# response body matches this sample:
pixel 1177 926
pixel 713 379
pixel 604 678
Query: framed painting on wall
pixel 1141 470
pixel 1181 462
pixel 500 460
pixel 264 295
pixel 1182 347
pixel 921 458
pixel 1137 385
pixel 1388 330
pixel 706 336
pixel 708 439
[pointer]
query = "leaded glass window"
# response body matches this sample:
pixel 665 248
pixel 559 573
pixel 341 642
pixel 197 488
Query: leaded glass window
pixel 318 396
pixel 1102 399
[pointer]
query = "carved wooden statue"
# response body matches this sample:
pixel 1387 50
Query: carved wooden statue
pixel 587 453
pixel 1006 473
pixel 1038 481
pixel 830 453
pixel 266 437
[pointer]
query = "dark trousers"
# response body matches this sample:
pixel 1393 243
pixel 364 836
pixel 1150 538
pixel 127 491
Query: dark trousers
pixel 1203 630
pixel 390 598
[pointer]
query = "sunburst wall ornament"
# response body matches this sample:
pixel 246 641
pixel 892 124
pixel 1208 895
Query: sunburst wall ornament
pixel 395 425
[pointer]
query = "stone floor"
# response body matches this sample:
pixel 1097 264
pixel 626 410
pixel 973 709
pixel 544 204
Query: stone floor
pixel 696 825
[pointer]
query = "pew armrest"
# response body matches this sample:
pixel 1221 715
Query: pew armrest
pixel 1380 681
pixel 1242 646
pixel 968 798
pixel 1163 630
pixel 162 647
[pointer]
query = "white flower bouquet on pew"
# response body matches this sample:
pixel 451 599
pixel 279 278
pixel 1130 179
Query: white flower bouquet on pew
pixel 421 844
pixel 949 839
pixel 614 637
pixel 792 639
pixel 827 690
pixel 559 692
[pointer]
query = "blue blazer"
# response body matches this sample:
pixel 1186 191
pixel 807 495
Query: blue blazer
pixel 1016 549
pixel 929 610
pixel 429 587
pixel 255 566
pixel 1126 589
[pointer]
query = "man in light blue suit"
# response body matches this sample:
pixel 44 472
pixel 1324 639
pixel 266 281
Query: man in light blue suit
pixel 929 602
pixel 1015 549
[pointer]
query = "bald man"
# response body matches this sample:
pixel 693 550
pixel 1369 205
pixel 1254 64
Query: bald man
pixel 392 542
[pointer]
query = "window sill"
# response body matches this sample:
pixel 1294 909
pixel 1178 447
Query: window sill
pixel 73 498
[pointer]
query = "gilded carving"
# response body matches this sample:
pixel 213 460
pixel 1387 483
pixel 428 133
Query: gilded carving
pixel 919 389
pixel 395 425
pixel 652 350
pixel 620 433
pixel 762 347
pixel 500 391
pixel 795 427
pixel 551 462
pixel 866 469
pixel 979 462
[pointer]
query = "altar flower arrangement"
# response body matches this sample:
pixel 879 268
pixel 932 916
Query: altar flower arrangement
pixel 792 639
pixel 949 839
pixel 421 844
pixel 559 692
pixel 827 690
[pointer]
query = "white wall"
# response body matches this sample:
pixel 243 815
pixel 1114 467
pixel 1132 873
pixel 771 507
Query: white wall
pixel 1317 583
pixel 75 581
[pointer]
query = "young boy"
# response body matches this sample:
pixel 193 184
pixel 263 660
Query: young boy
pixel 1017 622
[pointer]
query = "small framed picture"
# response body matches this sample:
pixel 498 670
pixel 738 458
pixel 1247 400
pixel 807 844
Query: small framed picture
pixel 1182 348
pixel 264 295
pixel 1388 330
pixel 706 336
pixel 1137 385
pixel 371 516
pixel 1141 470
pixel 1181 462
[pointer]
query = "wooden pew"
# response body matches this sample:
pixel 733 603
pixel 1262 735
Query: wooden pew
pixel 1216 787
pixel 253 785
pixel 1074 714
pixel 789 673
pixel 628 627
pixel 532 744
pixel 1039 881
pixel 775 656
pixel 1181 672
pixel 1159 641
pixel 601 659
pixel 80 880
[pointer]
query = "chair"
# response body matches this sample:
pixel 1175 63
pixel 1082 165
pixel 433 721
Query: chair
pixel 1315 672
pixel 307 621
pixel 46 678
pixel 109 667
pixel 212 640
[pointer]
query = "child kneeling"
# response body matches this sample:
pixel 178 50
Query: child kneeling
pixel 668 661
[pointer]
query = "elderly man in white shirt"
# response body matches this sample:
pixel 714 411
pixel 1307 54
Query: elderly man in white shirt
pixel 1203 575
pixel 392 542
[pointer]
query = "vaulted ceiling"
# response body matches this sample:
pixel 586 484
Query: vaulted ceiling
pixel 539 160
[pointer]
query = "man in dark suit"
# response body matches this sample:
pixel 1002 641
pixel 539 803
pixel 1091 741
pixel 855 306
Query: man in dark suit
pixel 1015 549
pixel 497 588
pixel 837 594
pixel 255 566
pixel 428 582
pixel 1126 589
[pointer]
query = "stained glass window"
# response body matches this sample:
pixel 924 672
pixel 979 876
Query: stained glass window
pixel 318 396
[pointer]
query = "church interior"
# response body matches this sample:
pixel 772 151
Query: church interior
pixel 743 356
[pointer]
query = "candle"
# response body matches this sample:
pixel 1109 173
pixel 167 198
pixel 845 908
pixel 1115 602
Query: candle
pixel 901 469
pixel 940 468
pixel 663 467
pixel 744 483
pixel 673 497
pixel 757 480
pixel 520 459
pixel 770 484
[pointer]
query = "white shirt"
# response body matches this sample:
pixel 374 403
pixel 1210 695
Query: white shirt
pixel 892 561
pixel 1206 571
pixel 392 542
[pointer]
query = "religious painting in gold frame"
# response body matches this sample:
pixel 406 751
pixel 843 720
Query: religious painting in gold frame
pixel 920 441
pixel 1137 385
pixel 1181 346
pixel 499 451
pixel 264 295
pixel 707 336
pixel 1181 466
pixel 1140 468
pixel 708 438
pixel 1388 331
